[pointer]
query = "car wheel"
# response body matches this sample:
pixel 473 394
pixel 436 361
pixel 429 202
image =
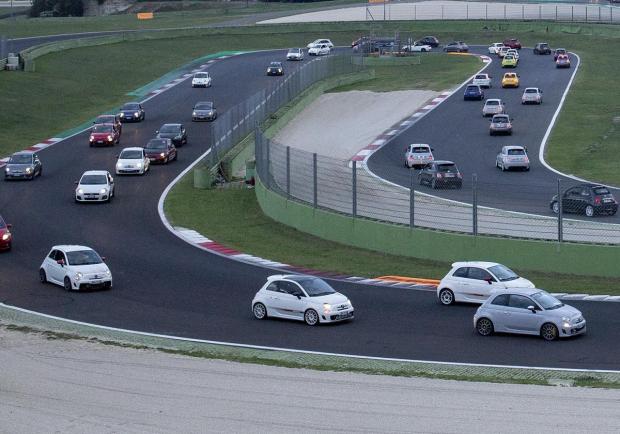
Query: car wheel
pixel 549 332
pixel 589 211
pixel 260 311
pixel 503 167
pixel 434 184
pixel 446 297
pixel 166 160
pixel 67 284
pixel 42 276
pixel 311 317
pixel 484 326
pixel 555 207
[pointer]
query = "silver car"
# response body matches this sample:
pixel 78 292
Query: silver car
pixel 492 107
pixel 418 155
pixel 529 312
pixel 500 124
pixel 512 157
pixel 532 95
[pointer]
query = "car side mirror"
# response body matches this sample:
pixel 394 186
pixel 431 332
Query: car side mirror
pixel 532 308
pixel 61 262
pixel 432 150
pixel 103 258
pixel 489 280
pixel 76 183
pixel 156 131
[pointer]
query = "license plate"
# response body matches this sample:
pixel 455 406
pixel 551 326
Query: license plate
pixel 449 175
pixel 95 282
pixel 152 159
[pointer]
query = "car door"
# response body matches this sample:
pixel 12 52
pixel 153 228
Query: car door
pixel 499 312
pixel 481 284
pixel 570 199
pixel 286 301
pixel 57 271
pixel 111 183
pixel 460 284
pixel 520 319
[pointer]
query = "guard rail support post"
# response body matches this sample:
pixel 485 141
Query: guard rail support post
pixel 556 12
pixel 412 202
pixel 522 12
pixel 486 11
pixel 442 12
pixel 572 13
pixel 267 144
pixel 354 188
pixel 415 12
pixel 560 210
pixel 586 13
pixel 315 183
pixel 288 173
pixel 467 11
pixel 504 11
pixel 474 208
pixel 599 14
pixel 539 12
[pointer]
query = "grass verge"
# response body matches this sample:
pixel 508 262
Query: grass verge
pixel 234 218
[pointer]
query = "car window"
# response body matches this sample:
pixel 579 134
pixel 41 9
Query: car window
pixel 52 255
pixel 449 168
pixel 501 300
pixel 289 288
pixel 460 272
pixel 84 257
pixel 492 102
pixel 479 274
pixel 316 287
pixel 516 152
pixel 601 190
pixel 585 192
pixel 133 154
pixel 156 144
pixel 420 150
pixel 60 256
pixel 273 286
pixel 520 301
pixel 503 273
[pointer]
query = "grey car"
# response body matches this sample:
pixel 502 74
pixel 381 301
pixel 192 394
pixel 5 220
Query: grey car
pixel 493 106
pixel 456 47
pixel 23 165
pixel 512 157
pixel 204 111
pixel 532 95
pixel 500 124
pixel 418 155
pixel 530 312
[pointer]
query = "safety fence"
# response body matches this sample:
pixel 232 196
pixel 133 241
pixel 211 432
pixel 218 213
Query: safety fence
pixel 467 204
pixel 458 10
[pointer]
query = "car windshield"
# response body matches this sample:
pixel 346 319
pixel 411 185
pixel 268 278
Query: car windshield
pixel 103 128
pixel 94 180
pixel 201 75
pixel 500 119
pixel 492 102
pixel 156 144
pixel 130 106
pixel 316 287
pixel 531 90
pixel 472 88
pixel 547 301
pixel 421 150
pixel 170 129
pixel 294 50
pixel 105 120
pixel 204 106
pixel 508 57
pixel 83 257
pixel 503 273
pixel 601 190
pixel 510 76
pixel 516 152
pixel 133 154
pixel 481 77
pixel 20 159
pixel 450 168
pixel 276 64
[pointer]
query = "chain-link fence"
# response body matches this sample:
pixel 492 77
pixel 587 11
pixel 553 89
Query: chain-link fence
pixel 468 204
pixel 580 13
pixel 239 121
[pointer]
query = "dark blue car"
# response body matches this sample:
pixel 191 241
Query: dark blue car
pixel 473 91
pixel 132 112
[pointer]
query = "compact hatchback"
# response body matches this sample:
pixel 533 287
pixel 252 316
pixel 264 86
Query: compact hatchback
pixel 509 61
pixel 512 157
pixel 441 174
pixel 132 112
pixel 275 68
pixel 530 312
pixel 473 92
pixel 500 124
pixel 588 199
pixel 542 48
pixel 174 132
pixel 160 151
pixel 510 79
pixel 493 106
pixel 473 282
pixel 562 61
pixel 295 54
pixel 104 135
pixel 23 165
pixel 202 79
pixel 204 111
pixel 418 155
pixel 75 268
pixel 456 47
pixel 482 80
pixel 6 238
pixel 132 161
pixel 532 95
pixel 513 43
pixel 95 186
pixel 303 298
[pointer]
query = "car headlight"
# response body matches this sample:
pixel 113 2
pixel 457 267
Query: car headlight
pixel 136 114
pixel 327 308
pixel 80 191
pixel 139 165
pixel 267 69
pixel 91 138
pixel 211 113
pixel 119 165
pixel 279 70
pixel 122 115
pixel 565 322
pixel 7 170
pixel 162 154
pixel 6 236
pixel 28 169
pixel 78 276
pixel 193 113
pixel 110 138
pixel 103 191
pixel 107 273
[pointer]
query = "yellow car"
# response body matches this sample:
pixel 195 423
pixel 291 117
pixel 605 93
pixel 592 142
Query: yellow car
pixel 510 79
pixel 509 61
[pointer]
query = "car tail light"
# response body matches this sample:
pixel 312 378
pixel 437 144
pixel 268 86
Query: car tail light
pixel 439 176
pixel 597 200
pixel 527 160
pixel 459 175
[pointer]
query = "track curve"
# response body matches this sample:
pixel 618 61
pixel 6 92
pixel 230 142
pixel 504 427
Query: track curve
pixel 164 285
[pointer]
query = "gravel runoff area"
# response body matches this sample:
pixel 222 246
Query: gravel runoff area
pixel 339 124
pixel 51 384
pixel 458 10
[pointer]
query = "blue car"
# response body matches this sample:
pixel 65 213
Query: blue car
pixel 473 91
pixel 132 112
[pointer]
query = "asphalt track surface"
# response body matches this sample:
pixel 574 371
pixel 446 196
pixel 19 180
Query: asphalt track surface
pixel 164 285
pixel 458 132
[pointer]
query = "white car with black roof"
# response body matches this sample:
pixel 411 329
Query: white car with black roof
pixel 75 267
pixel 319 42
pixel 202 79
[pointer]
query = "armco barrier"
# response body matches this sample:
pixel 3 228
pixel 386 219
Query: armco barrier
pixel 569 258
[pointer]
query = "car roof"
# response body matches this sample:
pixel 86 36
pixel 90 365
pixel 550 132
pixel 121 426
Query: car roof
pixel 530 88
pixel 171 125
pixel 104 124
pixel 516 291
pixel 493 99
pixel 293 277
pixel 420 144
pixel 133 148
pixel 483 264
pixel 95 172
pixel 514 147
pixel 444 162
pixel 70 247
pixel 23 153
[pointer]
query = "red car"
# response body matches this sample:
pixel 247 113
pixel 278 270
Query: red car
pixel 110 119
pixel 5 235
pixel 104 135
pixel 160 151
pixel 562 61
pixel 559 52
pixel 513 43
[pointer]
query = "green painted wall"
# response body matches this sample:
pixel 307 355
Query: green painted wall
pixel 567 258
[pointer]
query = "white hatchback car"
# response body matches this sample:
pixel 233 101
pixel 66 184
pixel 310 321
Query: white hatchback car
pixel 75 268
pixel 512 157
pixel 473 282
pixel 132 160
pixel 493 106
pixel 513 52
pixel 495 47
pixel 482 80
pixel 418 155
pixel 319 50
pixel 295 54
pixel 95 186
pixel 303 298
pixel 319 42
pixel 201 79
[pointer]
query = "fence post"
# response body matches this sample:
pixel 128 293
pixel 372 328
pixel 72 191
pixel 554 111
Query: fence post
pixel 556 13
pixel 599 14
pixel 560 210
pixel 474 189
pixel 467 11
pixel 586 13
pixel 315 183
pixel 267 143
pixel 572 13
pixel 522 12
pixel 504 10
pixel 442 12
pixel 539 12
pixel 288 172
pixel 486 11
pixel 354 188
pixel 412 203
pixel 415 12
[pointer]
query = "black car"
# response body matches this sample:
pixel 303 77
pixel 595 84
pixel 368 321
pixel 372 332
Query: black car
pixel 473 91
pixel 132 112
pixel 204 111
pixel 24 165
pixel 588 199
pixel 275 68
pixel 174 132
pixel 456 47
pixel 542 48
pixel 430 40
pixel 441 174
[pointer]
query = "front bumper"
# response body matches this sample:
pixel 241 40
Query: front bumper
pixel 129 171
pixel 573 329
pixel 500 130
pixel 102 143
pixel 275 73
pixel 203 118
pixel 91 197
pixel 5 245
pixel 156 159
pixel 131 118
pixel 337 316
pixel 105 283
pixel 18 175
